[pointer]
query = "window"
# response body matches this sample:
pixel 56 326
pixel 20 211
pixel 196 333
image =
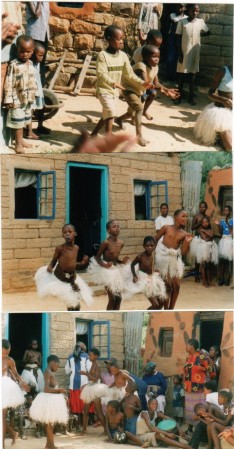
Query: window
pixel 70 4
pixel 34 194
pixel 100 338
pixel 148 196
pixel 165 341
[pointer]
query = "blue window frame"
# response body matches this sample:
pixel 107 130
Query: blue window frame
pixel 148 195
pixel 100 338
pixel 46 195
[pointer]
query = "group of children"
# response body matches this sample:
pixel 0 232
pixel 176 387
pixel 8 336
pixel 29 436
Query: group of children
pixel 156 272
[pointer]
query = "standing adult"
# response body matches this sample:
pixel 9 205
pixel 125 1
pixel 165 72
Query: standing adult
pixel 215 357
pixel 149 19
pixel 76 362
pixel 196 369
pixel 163 219
pixel 157 384
pixel 225 247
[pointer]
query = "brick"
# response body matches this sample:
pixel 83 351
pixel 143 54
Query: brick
pixel 39 243
pixel 12 244
pixel 26 233
pixel 7 254
pixel 27 254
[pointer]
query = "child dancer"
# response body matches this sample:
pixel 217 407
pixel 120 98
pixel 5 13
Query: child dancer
pixel 32 373
pixel 94 390
pixel 112 65
pixel 196 223
pixel 49 407
pixel 168 255
pixel 145 279
pixel 205 250
pixel 12 395
pixel 63 282
pixel 105 268
pixel 20 90
pixel 178 399
pixel 225 247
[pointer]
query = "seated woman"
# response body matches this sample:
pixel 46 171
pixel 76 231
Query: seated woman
pixel 216 119
pixel 157 385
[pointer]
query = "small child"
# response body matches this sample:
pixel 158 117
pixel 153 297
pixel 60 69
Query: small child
pixel 154 37
pixel 178 399
pixel 175 242
pixel 94 390
pixel 225 247
pixel 20 90
pixel 205 250
pixel 146 280
pixel 196 223
pixel 114 420
pixel 32 373
pixel 63 282
pixel 12 395
pixel 147 70
pixel 50 407
pixel 105 268
pixel 112 65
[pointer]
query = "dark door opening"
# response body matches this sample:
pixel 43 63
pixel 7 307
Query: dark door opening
pixel 210 333
pixel 85 207
pixel 22 328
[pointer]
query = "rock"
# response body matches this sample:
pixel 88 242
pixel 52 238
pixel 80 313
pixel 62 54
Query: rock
pixel 100 45
pixel 84 41
pixel 123 9
pixel 63 79
pixel 102 19
pixel 58 25
pixel 63 41
pixel 101 7
pixel 80 26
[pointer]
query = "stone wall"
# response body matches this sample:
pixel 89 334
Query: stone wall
pixel 29 244
pixel 81 33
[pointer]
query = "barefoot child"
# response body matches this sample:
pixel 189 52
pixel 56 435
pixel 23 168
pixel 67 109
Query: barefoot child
pixel 168 255
pixel 178 399
pixel 60 278
pixel 50 407
pixel 132 407
pixel 147 70
pixel 114 420
pixel 32 373
pixel 205 250
pixel 94 390
pixel 154 37
pixel 145 279
pixel 105 268
pixel 196 223
pixel 20 90
pixel 117 390
pixel 112 65
pixel 225 247
pixel 12 395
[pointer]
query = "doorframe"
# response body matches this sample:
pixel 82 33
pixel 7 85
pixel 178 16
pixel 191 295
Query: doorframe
pixel 104 192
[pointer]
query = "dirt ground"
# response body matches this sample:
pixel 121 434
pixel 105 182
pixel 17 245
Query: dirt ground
pixel 170 130
pixel 192 296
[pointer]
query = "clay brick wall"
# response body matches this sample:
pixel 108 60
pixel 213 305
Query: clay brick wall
pixel 29 244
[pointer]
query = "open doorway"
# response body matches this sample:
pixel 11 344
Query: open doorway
pixel 87 205
pixel 211 331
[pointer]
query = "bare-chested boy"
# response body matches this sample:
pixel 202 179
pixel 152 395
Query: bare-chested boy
pixel 196 224
pixel 60 278
pixel 12 395
pixel 168 255
pixel 105 268
pixel 132 407
pixel 94 390
pixel 114 419
pixel 118 389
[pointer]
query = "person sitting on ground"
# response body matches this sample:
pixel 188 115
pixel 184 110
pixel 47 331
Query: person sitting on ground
pixel 157 384
pixel 131 405
pixel 219 420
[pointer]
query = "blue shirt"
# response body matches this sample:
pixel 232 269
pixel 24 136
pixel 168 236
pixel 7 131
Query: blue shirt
pixel 156 379
pixel 178 394
pixel 225 227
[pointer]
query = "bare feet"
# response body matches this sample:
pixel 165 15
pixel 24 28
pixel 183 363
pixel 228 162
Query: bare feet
pixel 142 142
pixel 19 149
pixel 119 122
pixel 14 438
pixel 32 137
pixel 149 117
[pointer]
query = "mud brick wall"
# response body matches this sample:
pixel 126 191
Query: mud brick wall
pixel 29 244
pixel 63 337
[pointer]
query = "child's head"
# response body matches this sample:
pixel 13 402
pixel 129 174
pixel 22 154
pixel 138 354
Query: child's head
pixel 193 10
pixel 210 387
pixel 113 407
pixel 53 362
pixel 150 55
pixel 94 353
pixel 200 409
pixel 25 47
pixel 203 207
pixel 33 343
pixel 227 211
pixel 115 37
pixel 164 209
pixel 149 244
pixel 154 37
pixel 131 387
pixel 181 217
pixel 177 380
pixel 152 404
pixel 39 52
pixel 205 223
pixel 224 397
pixel 180 8
pixel 6 347
pixel 68 232
pixel 114 367
pixel 112 227
pixel 214 351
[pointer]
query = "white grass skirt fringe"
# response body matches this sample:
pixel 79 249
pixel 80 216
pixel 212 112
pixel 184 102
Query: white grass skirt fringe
pixel 225 248
pixel 48 284
pixel 168 261
pixel 111 278
pixel 30 379
pixel 204 251
pixel 12 395
pixel 93 391
pixel 211 121
pixel 151 285
pixel 49 408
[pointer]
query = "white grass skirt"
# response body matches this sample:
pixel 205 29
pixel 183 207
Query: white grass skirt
pixel 12 395
pixel 168 261
pixel 225 248
pixel 211 121
pixel 30 379
pixel 114 394
pixel 93 391
pixel 49 408
pixel 204 251
pixel 48 284
pixel 111 278
pixel 151 285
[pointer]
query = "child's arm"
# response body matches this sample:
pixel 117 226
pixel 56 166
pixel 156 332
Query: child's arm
pixel 85 261
pixel 186 243
pixel 207 232
pixel 109 437
pixel 125 259
pixel 10 99
pixel 131 75
pixel 103 73
pixel 16 375
pixel 48 388
pixel 133 264
pixel 102 248
pixel 226 102
pixel 54 260
pixel 160 233
pixel 35 10
pixel 173 93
